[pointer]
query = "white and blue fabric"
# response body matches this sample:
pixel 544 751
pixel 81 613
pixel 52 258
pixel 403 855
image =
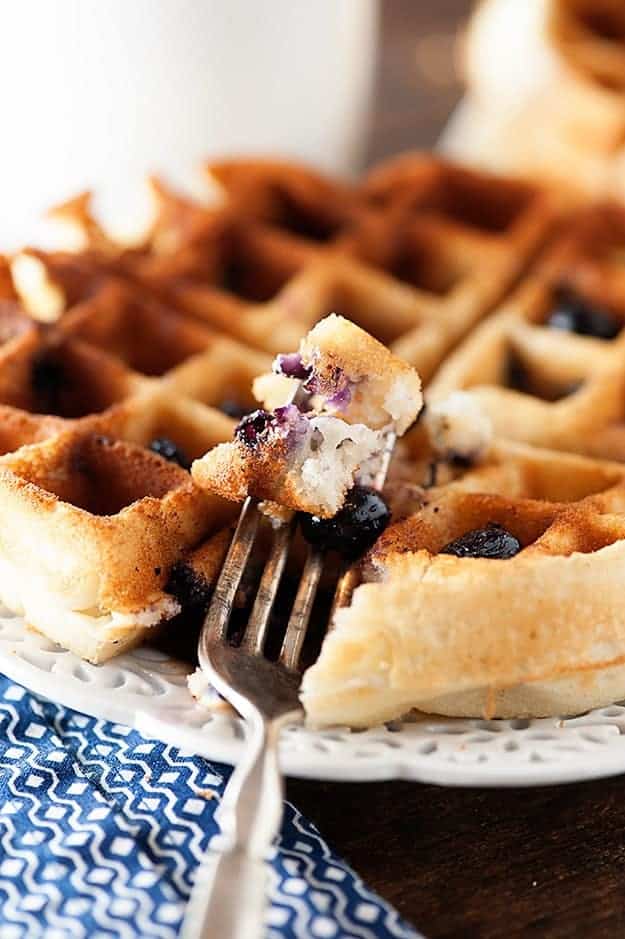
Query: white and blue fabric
pixel 101 831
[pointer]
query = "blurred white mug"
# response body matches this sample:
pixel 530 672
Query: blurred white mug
pixel 95 93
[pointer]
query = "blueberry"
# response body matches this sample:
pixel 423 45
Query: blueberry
pixel 354 528
pixel 574 315
pixel 233 408
pixel 491 542
pixel 189 587
pixel 169 451
pixel 291 365
pixel 253 427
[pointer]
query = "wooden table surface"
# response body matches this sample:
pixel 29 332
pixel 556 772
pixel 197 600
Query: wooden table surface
pixel 465 863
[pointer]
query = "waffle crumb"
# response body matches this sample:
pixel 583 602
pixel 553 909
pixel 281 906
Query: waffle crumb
pixel 458 428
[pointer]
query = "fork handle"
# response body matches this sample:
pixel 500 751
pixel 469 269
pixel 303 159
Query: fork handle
pixel 228 897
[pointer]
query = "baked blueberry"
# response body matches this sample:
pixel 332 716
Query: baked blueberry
pixel 169 451
pixel 254 426
pixel 575 315
pixel 189 587
pixel 353 530
pixel 491 542
pixel 291 365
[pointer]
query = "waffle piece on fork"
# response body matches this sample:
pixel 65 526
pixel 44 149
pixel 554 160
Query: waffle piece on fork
pixel 304 455
pixel 264 690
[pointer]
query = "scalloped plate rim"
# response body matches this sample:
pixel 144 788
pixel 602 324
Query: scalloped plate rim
pixel 429 750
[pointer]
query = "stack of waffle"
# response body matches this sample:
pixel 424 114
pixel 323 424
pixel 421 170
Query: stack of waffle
pixel 115 358
pixel 546 93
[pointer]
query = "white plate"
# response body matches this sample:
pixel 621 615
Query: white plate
pixel 147 689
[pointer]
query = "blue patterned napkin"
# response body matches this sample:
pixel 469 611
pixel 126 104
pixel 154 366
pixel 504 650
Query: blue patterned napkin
pixel 101 831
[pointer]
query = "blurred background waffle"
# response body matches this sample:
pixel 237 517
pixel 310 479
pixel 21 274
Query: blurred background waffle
pixel 416 254
pixel 549 366
pixel 546 93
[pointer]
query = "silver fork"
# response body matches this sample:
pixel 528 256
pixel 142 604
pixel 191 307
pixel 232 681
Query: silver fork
pixel 228 896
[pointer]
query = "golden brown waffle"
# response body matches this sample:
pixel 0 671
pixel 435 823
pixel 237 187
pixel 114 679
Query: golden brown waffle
pixel 157 340
pixel 416 255
pixel 95 521
pixel 544 385
pixel 539 633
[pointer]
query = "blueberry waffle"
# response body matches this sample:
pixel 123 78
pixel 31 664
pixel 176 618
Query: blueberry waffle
pixel 306 454
pixel 499 594
pixel 548 367
pixel 123 366
pixel 416 254
pixel 562 120
pixel 101 413
pixel 144 355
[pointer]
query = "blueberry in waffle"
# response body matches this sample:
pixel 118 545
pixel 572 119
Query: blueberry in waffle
pixel 306 455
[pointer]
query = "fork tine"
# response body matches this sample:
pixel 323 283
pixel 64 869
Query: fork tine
pixel 385 461
pixel 307 590
pixel 218 614
pixel 254 636
pixel 302 607
pixel 344 590
pixel 350 577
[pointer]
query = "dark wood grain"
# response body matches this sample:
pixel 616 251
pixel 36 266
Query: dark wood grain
pixel 469 864
pixel 484 864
